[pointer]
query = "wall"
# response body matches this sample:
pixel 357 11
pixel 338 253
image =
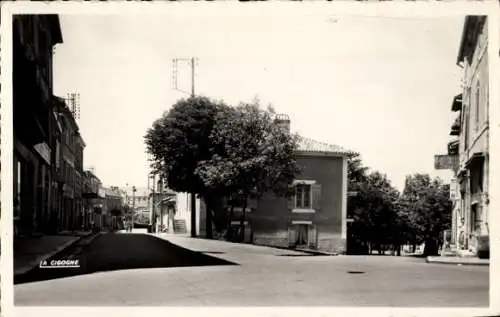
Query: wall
pixel 475 135
pixel 476 76
pixel 272 217
pixel 183 212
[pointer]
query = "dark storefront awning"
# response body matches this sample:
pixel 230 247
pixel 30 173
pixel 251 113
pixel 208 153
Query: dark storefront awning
pixel 476 159
pixel 90 195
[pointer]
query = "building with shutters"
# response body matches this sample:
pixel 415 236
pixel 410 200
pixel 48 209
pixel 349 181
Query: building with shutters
pixel 33 41
pixel 93 196
pixel 69 156
pixel 315 217
pixel 470 218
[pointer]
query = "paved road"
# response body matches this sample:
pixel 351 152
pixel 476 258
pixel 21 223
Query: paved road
pixel 110 252
pixel 264 277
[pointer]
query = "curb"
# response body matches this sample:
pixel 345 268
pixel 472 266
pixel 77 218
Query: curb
pixel 316 252
pixel 46 256
pixel 438 261
pixel 308 251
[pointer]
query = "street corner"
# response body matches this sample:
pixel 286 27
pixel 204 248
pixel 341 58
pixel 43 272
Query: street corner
pixel 457 260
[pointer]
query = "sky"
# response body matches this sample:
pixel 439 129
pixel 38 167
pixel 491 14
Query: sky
pixel 378 85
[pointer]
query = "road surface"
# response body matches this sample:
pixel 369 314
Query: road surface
pixel 263 277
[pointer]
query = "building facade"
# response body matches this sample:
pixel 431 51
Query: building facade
pixel 93 201
pixel 70 150
pixel 315 217
pixel 34 37
pixel 470 219
pixel 112 206
pixel 138 198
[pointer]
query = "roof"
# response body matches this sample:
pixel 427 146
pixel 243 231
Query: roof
pixel 469 35
pixel 55 26
pixel 64 110
pixel 310 145
pixel 139 191
pixel 111 192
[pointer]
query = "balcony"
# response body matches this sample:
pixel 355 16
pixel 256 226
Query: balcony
pixel 455 127
pixel 453 147
pixel 457 103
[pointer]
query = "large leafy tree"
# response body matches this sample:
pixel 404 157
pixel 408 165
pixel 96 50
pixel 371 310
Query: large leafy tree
pixel 208 148
pixel 180 140
pixel 426 204
pixel 373 209
pixel 252 154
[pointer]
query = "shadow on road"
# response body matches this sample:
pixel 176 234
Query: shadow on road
pixel 112 252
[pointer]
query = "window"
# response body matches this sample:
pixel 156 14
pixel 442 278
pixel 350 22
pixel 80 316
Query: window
pixel 477 102
pixel 303 193
pixel 19 175
pixel 466 128
pixel 58 154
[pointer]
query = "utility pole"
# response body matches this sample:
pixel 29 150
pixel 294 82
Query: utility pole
pixel 133 206
pixel 153 215
pixel 192 62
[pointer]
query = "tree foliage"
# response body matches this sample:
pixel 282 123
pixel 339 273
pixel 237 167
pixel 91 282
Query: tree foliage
pixel 383 216
pixel 180 139
pixel 426 205
pixel 212 149
pixel 373 209
pixel 250 153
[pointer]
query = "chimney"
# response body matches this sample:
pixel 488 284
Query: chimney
pixel 283 120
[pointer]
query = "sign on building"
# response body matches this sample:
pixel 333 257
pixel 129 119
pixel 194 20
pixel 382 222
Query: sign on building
pixel 454 189
pixel 445 162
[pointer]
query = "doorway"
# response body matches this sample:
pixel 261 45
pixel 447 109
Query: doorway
pixel 302 235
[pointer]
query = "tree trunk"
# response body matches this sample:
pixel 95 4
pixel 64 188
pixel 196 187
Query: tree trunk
pixel 413 247
pixel 193 215
pixel 208 219
pixel 208 224
pixel 431 247
pixel 229 232
pixel 242 223
pixel 398 251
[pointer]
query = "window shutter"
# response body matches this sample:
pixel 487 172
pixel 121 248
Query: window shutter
pixel 291 236
pixel 316 196
pixel 312 238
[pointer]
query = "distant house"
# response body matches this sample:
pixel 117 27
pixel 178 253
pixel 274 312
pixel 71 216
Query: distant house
pixel 315 217
pixel 93 196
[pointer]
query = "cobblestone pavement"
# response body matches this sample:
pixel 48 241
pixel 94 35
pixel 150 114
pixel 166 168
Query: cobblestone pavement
pixel 264 277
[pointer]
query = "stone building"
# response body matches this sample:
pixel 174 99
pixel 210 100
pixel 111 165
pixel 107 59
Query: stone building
pixel 70 149
pixel 93 200
pixel 315 217
pixel 34 38
pixel 470 218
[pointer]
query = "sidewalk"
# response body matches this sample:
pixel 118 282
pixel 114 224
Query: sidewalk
pixel 240 253
pixel 29 251
pixel 457 260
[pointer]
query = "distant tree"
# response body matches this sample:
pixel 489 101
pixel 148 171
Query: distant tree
pixel 252 155
pixel 427 206
pixel 373 209
pixel 356 172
